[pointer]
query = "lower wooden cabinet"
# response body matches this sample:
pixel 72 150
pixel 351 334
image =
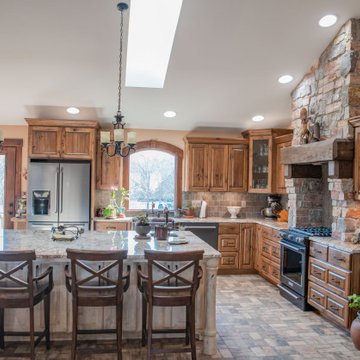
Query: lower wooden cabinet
pixel 112 226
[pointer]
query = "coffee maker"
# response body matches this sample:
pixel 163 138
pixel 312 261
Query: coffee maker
pixel 274 206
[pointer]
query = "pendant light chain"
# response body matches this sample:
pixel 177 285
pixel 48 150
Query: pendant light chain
pixel 120 60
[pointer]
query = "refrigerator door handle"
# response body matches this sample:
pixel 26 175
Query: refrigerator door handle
pixel 57 192
pixel 61 189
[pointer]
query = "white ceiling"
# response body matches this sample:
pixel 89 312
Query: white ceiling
pixel 224 66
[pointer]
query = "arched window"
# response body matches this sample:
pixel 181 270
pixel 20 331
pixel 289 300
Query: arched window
pixel 153 174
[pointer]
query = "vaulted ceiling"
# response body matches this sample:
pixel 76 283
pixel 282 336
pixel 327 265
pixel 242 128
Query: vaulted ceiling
pixel 223 70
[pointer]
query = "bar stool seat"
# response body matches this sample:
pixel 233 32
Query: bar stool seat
pixel 167 286
pixel 18 293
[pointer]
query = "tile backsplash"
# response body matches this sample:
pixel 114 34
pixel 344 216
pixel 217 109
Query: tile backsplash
pixel 217 202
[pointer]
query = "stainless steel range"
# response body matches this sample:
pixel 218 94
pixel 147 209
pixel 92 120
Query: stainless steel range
pixel 294 263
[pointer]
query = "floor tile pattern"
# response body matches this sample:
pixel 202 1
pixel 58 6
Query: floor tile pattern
pixel 253 322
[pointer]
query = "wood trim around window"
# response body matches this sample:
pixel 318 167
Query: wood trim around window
pixel 161 146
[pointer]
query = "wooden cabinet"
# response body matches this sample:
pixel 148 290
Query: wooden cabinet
pixel 107 170
pixel 55 139
pixel 333 275
pixel 44 142
pixel 78 143
pixel 236 244
pixel 238 168
pixel 280 142
pixel 262 159
pixel 257 248
pixel 216 164
pixel 269 254
pixel 246 260
pixel 112 225
pixel 218 156
pixel 198 162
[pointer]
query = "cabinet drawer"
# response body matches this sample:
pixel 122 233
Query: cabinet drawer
pixel 330 277
pixel 275 252
pixel 229 260
pixel 270 270
pixel 276 234
pixel 266 248
pixel 337 308
pixel 318 251
pixel 317 271
pixel 265 267
pixel 110 226
pixel 339 258
pixel 317 297
pixel 267 232
pixel 229 228
pixel 229 242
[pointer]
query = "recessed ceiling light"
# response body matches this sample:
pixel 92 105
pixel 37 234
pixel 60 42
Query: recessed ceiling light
pixel 73 110
pixel 169 114
pixel 328 20
pixel 258 118
pixel 285 79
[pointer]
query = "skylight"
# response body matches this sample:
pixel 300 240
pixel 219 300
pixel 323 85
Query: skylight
pixel 151 35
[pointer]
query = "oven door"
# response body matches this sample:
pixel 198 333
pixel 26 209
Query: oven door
pixel 293 267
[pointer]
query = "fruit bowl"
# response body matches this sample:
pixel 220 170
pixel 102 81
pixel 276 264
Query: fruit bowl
pixel 233 210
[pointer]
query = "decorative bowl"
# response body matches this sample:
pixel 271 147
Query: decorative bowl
pixel 233 210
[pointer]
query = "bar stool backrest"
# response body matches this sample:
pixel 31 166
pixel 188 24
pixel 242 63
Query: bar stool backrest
pixel 169 272
pixel 99 278
pixel 11 279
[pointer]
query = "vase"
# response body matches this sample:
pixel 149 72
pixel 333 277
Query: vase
pixel 142 230
pixel 161 233
pixel 355 332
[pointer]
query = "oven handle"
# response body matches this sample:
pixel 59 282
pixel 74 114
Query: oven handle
pixel 288 292
pixel 291 247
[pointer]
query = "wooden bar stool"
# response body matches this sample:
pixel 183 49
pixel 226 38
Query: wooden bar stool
pixel 169 286
pixel 97 288
pixel 18 293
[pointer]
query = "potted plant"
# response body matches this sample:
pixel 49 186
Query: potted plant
pixel 161 232
pixel 142 225
pixel 189 211
pixel 355 326
pixel 110 212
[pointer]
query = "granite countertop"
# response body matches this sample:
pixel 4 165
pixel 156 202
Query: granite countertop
pixel 337 244
pixel 12 240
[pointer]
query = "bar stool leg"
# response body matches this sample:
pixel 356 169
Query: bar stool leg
pixel 192 332
pixel 32 335
pixel 74 330
pixel 149 331
pixel 47 320
pixel 187 337
pixel 119 309
pixel 2 342
pixel 143 329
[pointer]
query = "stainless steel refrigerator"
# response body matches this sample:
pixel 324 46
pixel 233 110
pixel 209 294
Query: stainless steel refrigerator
pixel 59 193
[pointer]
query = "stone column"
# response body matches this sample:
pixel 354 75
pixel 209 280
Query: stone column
pixel 210 346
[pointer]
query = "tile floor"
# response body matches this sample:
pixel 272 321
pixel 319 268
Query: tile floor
pixel 253 322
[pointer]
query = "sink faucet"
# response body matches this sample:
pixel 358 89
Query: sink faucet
pixel 152 208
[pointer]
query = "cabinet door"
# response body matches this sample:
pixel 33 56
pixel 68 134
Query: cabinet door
pixel 357 165
pixel 260 164
pixel 198 179
pixel 257 248
pixel 107 170
pixel 279 175
pixel 44 142
pixel 218 167
pixel 78 143
pixel 238 168
pixel 246 260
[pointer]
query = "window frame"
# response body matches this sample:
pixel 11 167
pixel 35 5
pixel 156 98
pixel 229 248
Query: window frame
pixel 160 146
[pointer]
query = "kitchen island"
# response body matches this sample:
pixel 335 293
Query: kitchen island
pixel 53 253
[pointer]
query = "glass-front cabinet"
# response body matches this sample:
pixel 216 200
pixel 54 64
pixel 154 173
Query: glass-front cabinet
pixel 262 157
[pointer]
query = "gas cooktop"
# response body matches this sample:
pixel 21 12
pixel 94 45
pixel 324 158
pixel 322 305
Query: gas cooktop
pixel 315 231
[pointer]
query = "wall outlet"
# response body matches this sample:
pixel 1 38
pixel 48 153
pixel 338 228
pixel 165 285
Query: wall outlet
pixel 243 203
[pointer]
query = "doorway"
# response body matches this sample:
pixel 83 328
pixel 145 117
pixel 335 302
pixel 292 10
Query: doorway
pixel 10 180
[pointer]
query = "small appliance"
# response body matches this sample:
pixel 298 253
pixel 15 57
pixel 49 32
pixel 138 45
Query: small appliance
pixel 274 206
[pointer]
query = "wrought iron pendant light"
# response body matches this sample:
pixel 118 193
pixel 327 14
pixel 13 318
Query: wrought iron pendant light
pixel 120 147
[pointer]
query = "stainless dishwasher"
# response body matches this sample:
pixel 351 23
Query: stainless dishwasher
pixel 205 231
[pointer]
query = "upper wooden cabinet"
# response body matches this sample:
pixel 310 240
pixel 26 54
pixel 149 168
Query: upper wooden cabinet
pixel 62 139
pixel 261 159
pixel 214 164
pixel 278 173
